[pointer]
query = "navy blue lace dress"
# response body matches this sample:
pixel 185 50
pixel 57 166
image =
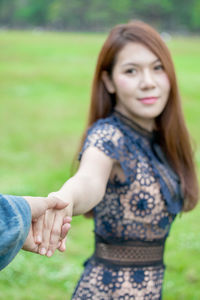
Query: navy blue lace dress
pixel 132 221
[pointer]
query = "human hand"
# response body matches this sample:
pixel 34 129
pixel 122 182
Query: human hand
pixel 31 246
pixel 51 229
pixel 48 236
pixel 39 205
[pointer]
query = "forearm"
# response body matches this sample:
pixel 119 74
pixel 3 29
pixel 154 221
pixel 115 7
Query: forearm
pixel 82 193
pixel 86 188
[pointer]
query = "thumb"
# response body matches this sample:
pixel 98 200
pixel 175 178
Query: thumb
pixel 55 202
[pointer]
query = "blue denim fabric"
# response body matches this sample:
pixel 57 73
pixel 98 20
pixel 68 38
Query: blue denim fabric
pixel 15 221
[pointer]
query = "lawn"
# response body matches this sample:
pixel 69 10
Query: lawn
pixel 45 81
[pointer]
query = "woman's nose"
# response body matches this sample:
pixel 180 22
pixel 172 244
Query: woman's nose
pixel 147 80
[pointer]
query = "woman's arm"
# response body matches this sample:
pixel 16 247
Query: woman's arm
pixel 83 192
pixel 87 187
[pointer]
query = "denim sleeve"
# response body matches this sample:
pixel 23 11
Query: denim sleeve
pixel 15 221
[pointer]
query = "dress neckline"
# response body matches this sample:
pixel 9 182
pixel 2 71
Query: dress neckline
pixel 150 135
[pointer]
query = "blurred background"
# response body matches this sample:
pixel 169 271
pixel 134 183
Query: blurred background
pixel 48 52
pixel 98 15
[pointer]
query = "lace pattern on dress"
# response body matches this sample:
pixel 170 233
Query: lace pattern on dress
pixel 141 201
pixel 101 282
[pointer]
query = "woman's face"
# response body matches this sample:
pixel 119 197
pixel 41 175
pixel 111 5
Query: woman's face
pixel 140 83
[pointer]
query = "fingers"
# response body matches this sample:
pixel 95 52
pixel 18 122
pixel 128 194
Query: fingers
pixel 57 232
pixel 67 219
pixel 62 246
pixel 50 231
pixel 29 244
pixel 64 230
pixel 38 229
pixel 48 222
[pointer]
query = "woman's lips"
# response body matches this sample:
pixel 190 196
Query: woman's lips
pixel 148 100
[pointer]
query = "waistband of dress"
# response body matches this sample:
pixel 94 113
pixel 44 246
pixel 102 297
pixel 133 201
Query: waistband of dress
pixel 130 254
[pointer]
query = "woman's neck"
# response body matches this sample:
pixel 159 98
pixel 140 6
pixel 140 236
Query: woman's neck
pixel 145 123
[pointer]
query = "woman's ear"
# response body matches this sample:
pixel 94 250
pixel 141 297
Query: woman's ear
pixel 108 82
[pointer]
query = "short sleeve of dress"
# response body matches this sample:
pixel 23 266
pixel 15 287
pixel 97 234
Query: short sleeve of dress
pixel 106 137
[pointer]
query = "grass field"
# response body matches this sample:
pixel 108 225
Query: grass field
pixel 45 81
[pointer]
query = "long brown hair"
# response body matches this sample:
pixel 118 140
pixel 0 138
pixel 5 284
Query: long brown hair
pixel 175 139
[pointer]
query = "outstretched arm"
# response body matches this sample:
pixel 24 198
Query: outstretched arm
pixel 86 188
pixel 83 192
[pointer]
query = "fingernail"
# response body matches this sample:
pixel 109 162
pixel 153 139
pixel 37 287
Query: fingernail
pixel 63 248
pixel 49 253
pixel 43 251
pixel 39 239
pixel 67 219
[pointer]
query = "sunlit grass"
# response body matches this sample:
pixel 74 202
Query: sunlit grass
pixel 45 82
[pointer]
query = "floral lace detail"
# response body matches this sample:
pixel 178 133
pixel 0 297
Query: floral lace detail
pixel 144 174
pixel 106 283
pixel 141 201
pixel 141 204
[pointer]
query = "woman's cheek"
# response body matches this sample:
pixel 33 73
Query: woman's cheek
pixel 124 83
pixel 164 82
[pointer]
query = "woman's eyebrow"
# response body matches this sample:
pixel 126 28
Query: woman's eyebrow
pixel 136 65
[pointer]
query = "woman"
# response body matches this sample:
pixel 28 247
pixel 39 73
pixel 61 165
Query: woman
pixel 136 167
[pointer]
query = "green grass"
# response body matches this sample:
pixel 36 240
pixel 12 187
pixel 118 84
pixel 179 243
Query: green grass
pixel 45 82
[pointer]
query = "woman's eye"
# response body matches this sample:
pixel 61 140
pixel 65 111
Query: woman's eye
pixel 131 71
pixel 158 67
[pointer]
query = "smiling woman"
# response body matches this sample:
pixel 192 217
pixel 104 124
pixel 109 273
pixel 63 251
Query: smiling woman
pixel 140 84
pixel 136 167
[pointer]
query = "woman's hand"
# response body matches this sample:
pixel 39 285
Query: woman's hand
pixel 30 244
pixel 39 205
pixel 51 229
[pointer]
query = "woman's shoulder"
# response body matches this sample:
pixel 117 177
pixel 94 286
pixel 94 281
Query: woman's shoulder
pixel 105 126
pixel 105 135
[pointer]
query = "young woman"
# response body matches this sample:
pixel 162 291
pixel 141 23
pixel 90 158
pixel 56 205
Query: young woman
pixel 136 167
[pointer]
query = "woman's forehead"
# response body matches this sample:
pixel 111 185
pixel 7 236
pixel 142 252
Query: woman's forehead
pixel 135 53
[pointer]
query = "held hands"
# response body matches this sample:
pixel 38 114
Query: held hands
pixel 48 229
